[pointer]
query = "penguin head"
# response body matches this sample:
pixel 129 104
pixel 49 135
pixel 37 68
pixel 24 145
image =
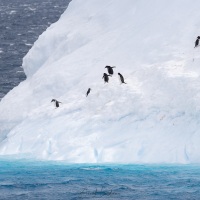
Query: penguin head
pixel 107 66
pixel 119 74
pixel 53 100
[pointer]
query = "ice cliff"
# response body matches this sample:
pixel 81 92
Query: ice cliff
pixel 155 118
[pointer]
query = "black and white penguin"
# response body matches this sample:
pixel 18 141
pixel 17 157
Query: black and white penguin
pixel 121 78
pixel 110 69
pixel 56 102
pixel 197 42
pixel 106 77
pixel 88 92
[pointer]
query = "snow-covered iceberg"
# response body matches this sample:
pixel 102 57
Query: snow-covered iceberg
pixel 154 118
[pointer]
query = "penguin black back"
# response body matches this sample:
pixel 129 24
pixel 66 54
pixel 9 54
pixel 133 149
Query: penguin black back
pixel 110 69
pixel 121 78
pixel 56 102
pixel 88 92
pixel 196 42
pixel 105 77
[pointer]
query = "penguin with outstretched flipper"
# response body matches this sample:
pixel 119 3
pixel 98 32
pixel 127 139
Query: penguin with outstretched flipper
pixel 110 70
pixel 56 102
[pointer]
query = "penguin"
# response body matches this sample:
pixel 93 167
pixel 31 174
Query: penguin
pixel 56 102
pixel 196 42
pixel 110 69
pixel 105 77
pixel 121 78
pixel 88 92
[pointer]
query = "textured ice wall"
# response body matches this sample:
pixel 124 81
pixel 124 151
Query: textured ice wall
pixel 154 118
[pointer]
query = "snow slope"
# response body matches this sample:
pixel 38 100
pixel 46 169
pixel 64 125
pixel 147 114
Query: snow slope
pixel 154 118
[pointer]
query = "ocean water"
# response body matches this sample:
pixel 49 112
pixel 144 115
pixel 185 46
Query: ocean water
pixel 21 179
pixel 21 23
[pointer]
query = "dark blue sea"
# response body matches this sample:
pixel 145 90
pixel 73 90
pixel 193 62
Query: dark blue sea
pixel 21 179
pixel 21 23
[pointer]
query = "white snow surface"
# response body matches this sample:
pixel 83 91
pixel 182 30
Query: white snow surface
pixel 154 118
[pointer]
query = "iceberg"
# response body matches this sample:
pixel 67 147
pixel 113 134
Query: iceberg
pixel 154 118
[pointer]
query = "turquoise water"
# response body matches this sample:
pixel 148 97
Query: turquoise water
pixel 52 180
